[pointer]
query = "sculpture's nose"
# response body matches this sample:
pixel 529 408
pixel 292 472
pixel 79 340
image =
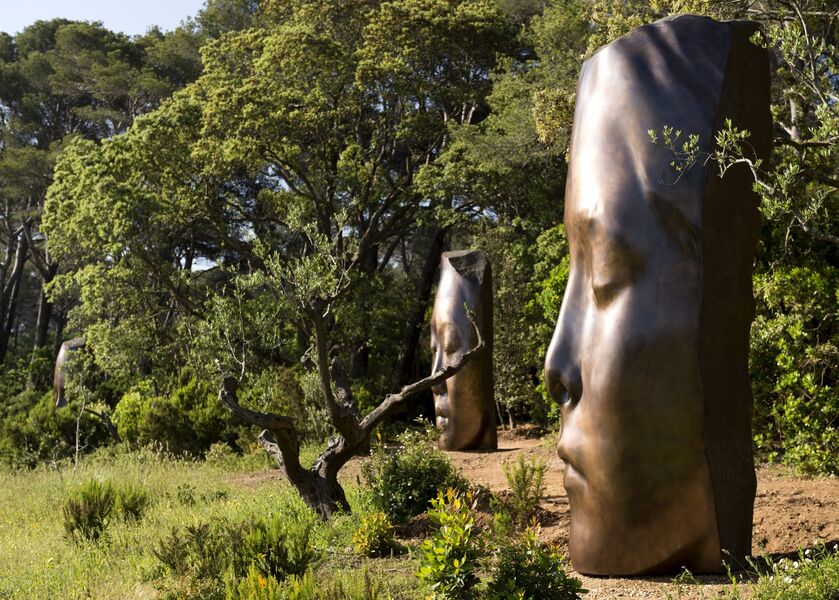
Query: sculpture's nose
pixel 563 376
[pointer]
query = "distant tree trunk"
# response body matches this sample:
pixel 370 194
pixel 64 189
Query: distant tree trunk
pixel 44 310
pixel 413 326
pixel 8 297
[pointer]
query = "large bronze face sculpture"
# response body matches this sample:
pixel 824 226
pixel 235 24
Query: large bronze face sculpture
pixel 64 354
pixel 464 403
pixel 649 356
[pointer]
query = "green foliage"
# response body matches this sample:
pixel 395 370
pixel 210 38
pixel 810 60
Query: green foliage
pixel 449 559
pixel 202 555
pixel 350 586
pixel 374 535
pixel 186 421
pixel 814 575
pixel 32 430
pixel 87 511
pixel 132 501
pixel 793 360
pixel 525 480
pixel 523 568
pixel 403 482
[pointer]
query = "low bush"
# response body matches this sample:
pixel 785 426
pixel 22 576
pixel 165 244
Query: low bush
pixel 340 586
pixel 213 557
pixel 187 421
pixel 32 430
pixel 404 481
pixel 131 502
pixel 374 536
pixel 88 510
pixel 814 575
pixel 525 569
pixel 525 479
pixel 449 559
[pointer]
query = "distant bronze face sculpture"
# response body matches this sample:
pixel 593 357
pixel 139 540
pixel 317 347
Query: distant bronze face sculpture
pixel 649 356
pixel 67 349
pixel 464 403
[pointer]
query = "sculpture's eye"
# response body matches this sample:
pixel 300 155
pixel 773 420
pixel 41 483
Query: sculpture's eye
pixel 613 266
pixel 452 344
pixel 451 339
pixel 604 293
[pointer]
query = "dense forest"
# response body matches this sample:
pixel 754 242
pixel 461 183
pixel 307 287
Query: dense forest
pixel 265 193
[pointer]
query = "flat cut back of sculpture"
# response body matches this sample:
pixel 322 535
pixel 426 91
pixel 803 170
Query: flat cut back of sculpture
pixel 649 357
pixel 463 404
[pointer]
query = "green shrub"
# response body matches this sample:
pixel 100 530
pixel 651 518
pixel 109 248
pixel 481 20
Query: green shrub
pixel 403 482
pixel 525 480
pixel 794 364
pixel 88 510
pixel 211 556
pixel 524 569
pixel 186 421
pixel 813 576
pixel 33 430
pixel 374 536
pixel 278 549
pixel 449 559
pixel 131 502
pixel 255 586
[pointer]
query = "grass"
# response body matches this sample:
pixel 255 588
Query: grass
pixel 38 560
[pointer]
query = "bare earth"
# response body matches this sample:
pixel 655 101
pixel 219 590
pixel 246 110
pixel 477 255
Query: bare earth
pixel 791 513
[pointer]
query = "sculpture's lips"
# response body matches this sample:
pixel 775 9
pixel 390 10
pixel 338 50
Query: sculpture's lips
pixel 441 409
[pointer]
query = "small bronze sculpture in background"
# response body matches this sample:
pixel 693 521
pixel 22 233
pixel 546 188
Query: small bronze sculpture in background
pixel 464 403
pixel 649 356
pixel 64 354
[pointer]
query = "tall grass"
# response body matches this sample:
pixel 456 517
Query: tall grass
pixel 37 560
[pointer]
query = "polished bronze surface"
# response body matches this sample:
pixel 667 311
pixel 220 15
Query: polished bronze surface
pixel 649 356
pixel 464 403
pixel 67 348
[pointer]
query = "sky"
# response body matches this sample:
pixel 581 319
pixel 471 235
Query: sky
pixel 132 17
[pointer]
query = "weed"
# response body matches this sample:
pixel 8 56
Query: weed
pixel 449 560
pixel 131 502
pixel 374 536
pixel 88 510
pixel 403 482
pixel 526 481
pixel 525 569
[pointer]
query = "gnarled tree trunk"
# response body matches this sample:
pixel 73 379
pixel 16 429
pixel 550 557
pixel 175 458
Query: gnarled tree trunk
pixel 318 485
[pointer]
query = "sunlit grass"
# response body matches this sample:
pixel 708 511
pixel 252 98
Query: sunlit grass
pixel 38 560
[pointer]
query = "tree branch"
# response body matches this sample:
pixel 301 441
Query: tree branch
pixel 228 398
pixel 393 401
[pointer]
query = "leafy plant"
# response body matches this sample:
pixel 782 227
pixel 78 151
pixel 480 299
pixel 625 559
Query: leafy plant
pixel 449 560
pixel 212 555
pixel 374 535
pixel 525 569
pixel 814 575
pixel 88 510
pixel 131 502
pixel 404 481
pixel 525 479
